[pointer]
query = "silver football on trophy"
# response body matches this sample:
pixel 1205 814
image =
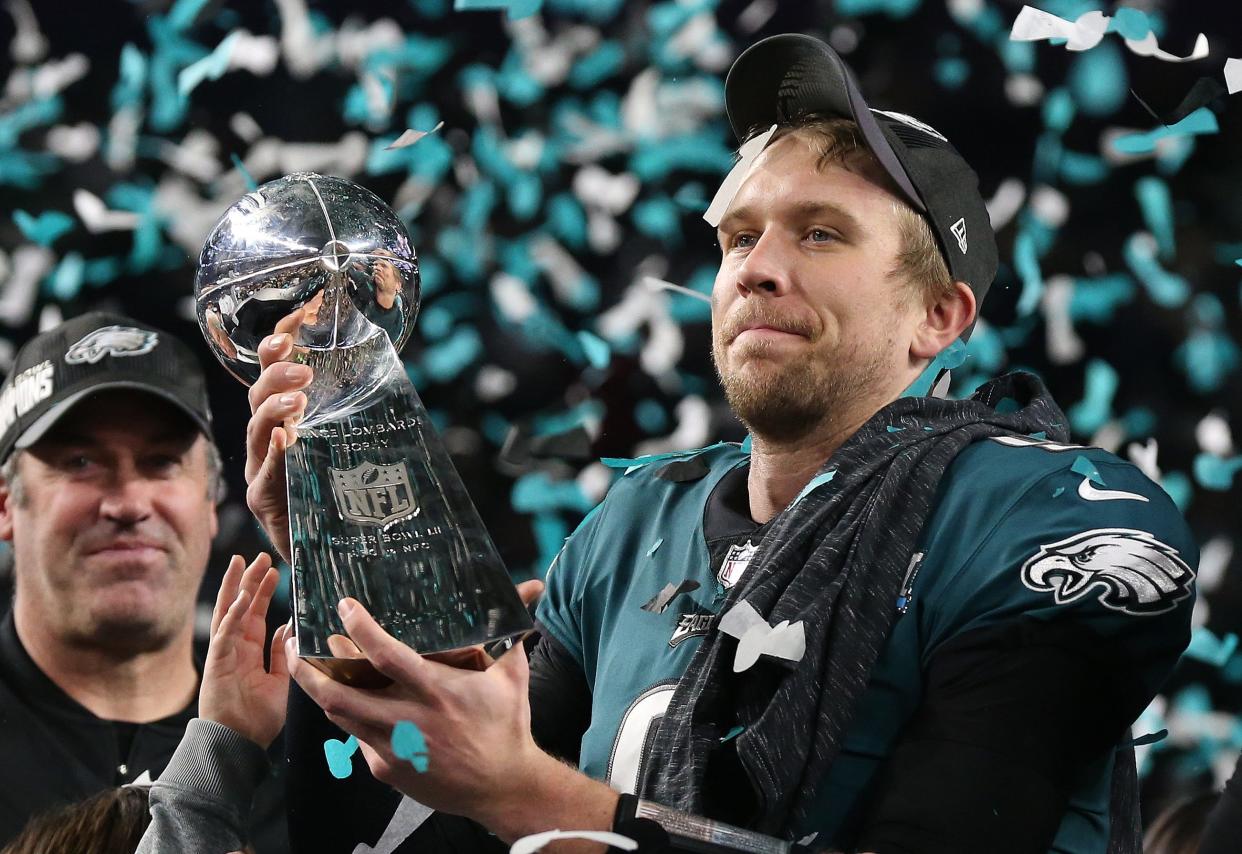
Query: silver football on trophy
pixel 315 256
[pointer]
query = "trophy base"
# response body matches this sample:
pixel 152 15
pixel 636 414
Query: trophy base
pixel 349 667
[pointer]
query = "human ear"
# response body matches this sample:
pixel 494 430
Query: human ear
pixel 944 321
pixel 7 505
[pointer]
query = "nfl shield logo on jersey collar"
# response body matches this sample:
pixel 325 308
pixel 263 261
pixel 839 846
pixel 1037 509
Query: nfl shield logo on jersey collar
pixel 735 563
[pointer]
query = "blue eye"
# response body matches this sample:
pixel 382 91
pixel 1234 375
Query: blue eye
pixel 742 241
pixel 819 235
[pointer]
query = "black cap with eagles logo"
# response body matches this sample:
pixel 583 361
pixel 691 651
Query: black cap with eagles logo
pixel 91 353
pixel 783 77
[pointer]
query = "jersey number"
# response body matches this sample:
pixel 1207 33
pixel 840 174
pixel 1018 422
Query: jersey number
pixel 638 727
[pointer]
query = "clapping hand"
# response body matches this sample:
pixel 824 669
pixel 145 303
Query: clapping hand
pixel 237 690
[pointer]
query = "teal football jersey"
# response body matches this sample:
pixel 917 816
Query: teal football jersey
pixel 1022 528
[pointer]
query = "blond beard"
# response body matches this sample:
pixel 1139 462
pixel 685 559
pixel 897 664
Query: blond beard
pixel 789 400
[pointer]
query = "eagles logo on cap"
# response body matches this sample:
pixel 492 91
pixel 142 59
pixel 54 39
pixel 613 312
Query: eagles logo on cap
pixel 111 341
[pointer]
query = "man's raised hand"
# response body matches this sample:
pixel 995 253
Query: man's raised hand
pixel 237 691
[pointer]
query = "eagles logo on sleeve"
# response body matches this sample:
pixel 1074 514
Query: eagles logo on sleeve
pixel 1132 570
pixel 111 341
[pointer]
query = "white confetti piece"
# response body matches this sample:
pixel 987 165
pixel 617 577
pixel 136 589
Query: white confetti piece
pixel 536 841
pixel 97 217
pixel 597 187
pixel 410 136
pixel 1233 75
pixel 17 294
pixel 29 44
pixel 1006 202
pixel 1214 559
pixel 1024 90
pixel 513 297
pixel 1144 456
pixel 407 818
pixel 1063 344
pixel 755 637
pixel 48 79
pixel 76 143
pixel 755 15
pixel 1214 436
pixel 693 417
pixel 1147 46
pixel 1081 34
pixel 736 177
pixel 654 284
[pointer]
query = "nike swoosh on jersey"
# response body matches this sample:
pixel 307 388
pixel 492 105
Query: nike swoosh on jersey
pixel 1090 493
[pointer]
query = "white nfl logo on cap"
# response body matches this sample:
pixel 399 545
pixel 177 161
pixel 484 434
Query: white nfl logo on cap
pixel 959 231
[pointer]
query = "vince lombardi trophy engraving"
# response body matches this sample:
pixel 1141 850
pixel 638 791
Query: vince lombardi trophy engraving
pixel 376 509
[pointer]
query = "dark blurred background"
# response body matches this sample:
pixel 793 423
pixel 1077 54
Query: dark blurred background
pixel 580 145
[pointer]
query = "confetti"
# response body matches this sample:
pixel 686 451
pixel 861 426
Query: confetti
pixel 755 637
pixel 408 744
pixel 410 136
pixel 340 756
pixel 659 603
pixel 736 177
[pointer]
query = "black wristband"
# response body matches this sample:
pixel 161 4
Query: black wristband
pixel 650 836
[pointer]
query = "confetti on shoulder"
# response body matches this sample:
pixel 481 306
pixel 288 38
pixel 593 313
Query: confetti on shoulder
pixel 410 137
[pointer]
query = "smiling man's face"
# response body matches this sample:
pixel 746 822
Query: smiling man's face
pixel 113 525
pixel 807 313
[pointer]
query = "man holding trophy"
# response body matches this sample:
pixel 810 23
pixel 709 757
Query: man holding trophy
pixel 884 626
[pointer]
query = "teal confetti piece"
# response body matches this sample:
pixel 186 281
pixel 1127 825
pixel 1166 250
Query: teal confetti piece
pixel 1098 81
pixel 446 359
pixel 1178 487
pixel 1207 647
pixel 599 65
pixel 251 184
pixel 1097 299
pixel 650 416
pixel 44 229
pixel 1091 413
pixel 1207 357
pixel 896 9
pixel 638 462
pixel 340 756
pixel 184 12
pixel 408 743
pixel 1026 262
pixel 952 71
pixel 655 546
pixel 1202 121
pixel 1130 23
pixel 597 351
pixel 536 492
pixel 732 734
pixel 1087 469
pixel 1166 289
pixel 210 67
pixel 66 280
pixel 891 429
pixel 816 482
pixel 514 9
pixel 1216 473
pixel 951 357
pixel 1157 207
pixel 1056 493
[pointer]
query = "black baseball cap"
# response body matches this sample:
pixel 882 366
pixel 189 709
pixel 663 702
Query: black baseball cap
pixel 90 353
pixel 781 78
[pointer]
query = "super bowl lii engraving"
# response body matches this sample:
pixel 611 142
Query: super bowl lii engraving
pixel 376 509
